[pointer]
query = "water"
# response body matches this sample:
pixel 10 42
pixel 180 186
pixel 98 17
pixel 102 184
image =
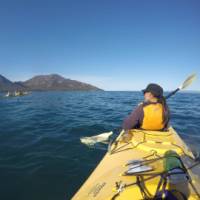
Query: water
pixel 41 157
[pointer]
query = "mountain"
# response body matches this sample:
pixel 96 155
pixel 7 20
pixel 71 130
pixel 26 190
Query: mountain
pixel 46 83
pixel 56 82
pixel 7 85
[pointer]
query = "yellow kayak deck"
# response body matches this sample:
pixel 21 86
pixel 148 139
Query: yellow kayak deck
pixel 110 182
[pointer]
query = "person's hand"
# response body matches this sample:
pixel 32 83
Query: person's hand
pixel 127 136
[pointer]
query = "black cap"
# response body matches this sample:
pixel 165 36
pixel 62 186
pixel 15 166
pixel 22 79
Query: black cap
pixel 155 89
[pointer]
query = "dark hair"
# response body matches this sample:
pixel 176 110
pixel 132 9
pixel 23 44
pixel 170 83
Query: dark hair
pixel 162 100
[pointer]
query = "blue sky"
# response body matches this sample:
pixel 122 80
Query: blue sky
pixel 113 44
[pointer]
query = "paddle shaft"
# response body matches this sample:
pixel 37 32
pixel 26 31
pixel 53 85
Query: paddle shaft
pixel 172 93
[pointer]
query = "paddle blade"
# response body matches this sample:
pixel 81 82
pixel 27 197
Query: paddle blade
pixel 102 138
pixel 138 169
pixel 188 81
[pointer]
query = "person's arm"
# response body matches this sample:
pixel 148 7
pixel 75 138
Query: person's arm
pixel 167 117
pixel 134 119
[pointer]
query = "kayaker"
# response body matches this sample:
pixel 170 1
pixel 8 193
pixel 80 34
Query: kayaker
pixel 152 114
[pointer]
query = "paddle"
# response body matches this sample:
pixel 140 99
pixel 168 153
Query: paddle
pixel 99 138
pixel 185 84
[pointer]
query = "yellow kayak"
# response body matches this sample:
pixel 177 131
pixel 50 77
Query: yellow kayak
pixel 152 165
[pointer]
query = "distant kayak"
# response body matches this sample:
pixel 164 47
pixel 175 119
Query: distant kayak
pixel 151 165
pixel 16 94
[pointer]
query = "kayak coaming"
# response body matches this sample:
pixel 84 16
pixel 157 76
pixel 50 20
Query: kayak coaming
pixel 101 183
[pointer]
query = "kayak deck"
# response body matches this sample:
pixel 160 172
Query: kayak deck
pixel 110 181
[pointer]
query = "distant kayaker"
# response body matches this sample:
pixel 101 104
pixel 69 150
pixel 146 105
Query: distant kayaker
pixel 152 114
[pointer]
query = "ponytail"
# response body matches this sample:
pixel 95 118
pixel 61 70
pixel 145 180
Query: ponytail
pixel 162 100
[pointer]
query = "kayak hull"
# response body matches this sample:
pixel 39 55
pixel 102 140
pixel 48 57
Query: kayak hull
pixel 110 180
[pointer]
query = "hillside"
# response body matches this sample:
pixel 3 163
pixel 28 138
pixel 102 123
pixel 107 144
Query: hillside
pixel 7 85
pixel 53 82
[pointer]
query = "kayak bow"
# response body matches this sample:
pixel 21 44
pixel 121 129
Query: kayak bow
pixel 152 165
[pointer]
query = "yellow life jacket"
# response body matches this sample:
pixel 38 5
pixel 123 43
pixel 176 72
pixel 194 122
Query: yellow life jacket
pixel 153 117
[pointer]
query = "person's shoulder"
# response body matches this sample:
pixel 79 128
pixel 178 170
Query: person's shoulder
pixel 139 109
pixel 141 104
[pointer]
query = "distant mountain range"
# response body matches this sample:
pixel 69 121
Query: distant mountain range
pixel 52 82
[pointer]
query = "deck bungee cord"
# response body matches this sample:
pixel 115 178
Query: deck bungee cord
pixel 111 151
pixel 140 181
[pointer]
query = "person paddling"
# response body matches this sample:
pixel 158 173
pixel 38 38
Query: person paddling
pixel 152 114
pixel 144 116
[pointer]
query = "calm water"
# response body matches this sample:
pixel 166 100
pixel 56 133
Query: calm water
pixel 41 157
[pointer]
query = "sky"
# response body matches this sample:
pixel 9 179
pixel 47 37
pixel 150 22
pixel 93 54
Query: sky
pixel 112 44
